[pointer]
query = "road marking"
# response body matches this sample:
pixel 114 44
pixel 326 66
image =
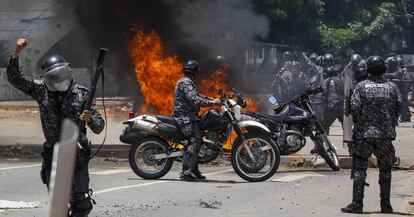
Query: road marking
pixel 20 167
pixel 7 204
pixel 294 177
pixel 111 172
pixel 150 183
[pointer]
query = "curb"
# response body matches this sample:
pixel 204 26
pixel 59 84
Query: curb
pixel 34 151
pixel 119 151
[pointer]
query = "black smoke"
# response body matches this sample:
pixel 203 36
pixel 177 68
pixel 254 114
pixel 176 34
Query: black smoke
pixel 191 29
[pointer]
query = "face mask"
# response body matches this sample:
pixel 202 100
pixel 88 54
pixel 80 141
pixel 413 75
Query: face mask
pixel 58 77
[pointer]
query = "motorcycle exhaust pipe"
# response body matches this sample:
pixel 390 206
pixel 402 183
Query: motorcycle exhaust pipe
pixel 146 123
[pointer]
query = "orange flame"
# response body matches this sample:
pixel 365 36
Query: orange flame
pixel 157 74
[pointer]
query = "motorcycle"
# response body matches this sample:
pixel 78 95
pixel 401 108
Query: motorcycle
pixel 156 141
pixel 293 122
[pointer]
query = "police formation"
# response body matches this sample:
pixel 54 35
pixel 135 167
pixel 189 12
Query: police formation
pixel 376 102
pixel 375 106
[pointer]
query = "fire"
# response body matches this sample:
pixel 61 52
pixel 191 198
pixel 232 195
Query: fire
pixel 156 72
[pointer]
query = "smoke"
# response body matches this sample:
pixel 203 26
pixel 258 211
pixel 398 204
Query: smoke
pixel 191 29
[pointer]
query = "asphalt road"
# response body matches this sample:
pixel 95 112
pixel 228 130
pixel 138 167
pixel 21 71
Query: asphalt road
pixel 291 192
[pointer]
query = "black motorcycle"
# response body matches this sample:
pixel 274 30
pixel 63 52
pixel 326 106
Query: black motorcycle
pixel 293 122
pixel 157 140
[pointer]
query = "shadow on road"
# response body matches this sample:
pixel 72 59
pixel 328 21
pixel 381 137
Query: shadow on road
pixel 203 181
pixel 394 213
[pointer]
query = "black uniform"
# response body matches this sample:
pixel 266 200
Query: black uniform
pixel 187 103
pixel 396 76
pixel 55 106
pixel 334 101
pixel 375 107
pixel 289 82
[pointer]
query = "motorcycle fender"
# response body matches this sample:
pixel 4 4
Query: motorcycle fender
pixel 255 124
pixel 130 136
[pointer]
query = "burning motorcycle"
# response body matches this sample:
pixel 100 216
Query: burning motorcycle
pixel 156 141
pixel 293 122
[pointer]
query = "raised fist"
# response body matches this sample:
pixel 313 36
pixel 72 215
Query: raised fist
pixel 21 43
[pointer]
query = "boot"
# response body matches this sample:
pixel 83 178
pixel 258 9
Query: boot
pixel 198 173
pixel 385 188
pixel 357 199
pixel 189 163
pixel 81 205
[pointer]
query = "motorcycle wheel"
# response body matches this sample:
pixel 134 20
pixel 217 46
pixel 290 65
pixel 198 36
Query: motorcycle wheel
pixel 141 161
pixel 328 153
pixel 264 151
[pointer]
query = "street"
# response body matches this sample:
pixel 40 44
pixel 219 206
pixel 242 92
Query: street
pixel 290 192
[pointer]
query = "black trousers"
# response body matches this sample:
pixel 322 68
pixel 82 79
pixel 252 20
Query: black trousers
pixel 80 183
pixel 190 161
pixel 382 149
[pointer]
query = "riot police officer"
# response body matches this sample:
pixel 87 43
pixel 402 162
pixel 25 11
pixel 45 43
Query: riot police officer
pixel 359 69
pixel 59 97
pixel 328 65
pixel 333 95
pixel 316 70
pixel 398 76
pixel 290 80
pixel 187 103
pixel 375 107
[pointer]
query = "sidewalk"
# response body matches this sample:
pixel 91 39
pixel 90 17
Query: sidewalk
pixel 20 124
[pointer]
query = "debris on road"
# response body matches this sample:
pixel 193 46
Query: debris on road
pixel 210 205
pixel 17 151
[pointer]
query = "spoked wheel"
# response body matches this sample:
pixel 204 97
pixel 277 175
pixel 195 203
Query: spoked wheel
pixel 266 157
pixel 328 152
pixel 142 161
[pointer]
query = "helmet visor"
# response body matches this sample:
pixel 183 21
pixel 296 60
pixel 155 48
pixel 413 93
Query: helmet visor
pixel 57 77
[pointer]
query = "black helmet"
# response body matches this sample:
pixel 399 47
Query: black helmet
pixel 314 58
pixel 392 64
pixel 329 72
pixel 400 62
pixel 328 59
pixel 288 56
pixel 361 71
pixel 56 73
pixel 355 59
pixel 376 65
pixel 191 67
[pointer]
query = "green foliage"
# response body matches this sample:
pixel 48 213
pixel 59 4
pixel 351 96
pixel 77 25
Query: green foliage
pixel 340 27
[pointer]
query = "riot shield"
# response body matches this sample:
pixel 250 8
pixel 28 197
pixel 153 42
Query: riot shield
pixel 64 156
pixel 348 123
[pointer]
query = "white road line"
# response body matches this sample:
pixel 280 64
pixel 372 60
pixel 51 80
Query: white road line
pixel 150 183
pixel 20 167
pixel 111 172
pixel 294 177
pixel 7 204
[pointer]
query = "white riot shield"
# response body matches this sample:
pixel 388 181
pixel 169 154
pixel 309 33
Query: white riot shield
pixel 348 123
pixel 64 156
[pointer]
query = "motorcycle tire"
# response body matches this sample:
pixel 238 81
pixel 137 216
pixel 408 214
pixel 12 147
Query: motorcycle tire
pixel 325 152
pixel 167 163
pixel 242 170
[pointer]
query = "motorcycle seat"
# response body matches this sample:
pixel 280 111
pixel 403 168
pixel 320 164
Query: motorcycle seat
pixel 279 117
pixel 169 128
pixel 168 120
